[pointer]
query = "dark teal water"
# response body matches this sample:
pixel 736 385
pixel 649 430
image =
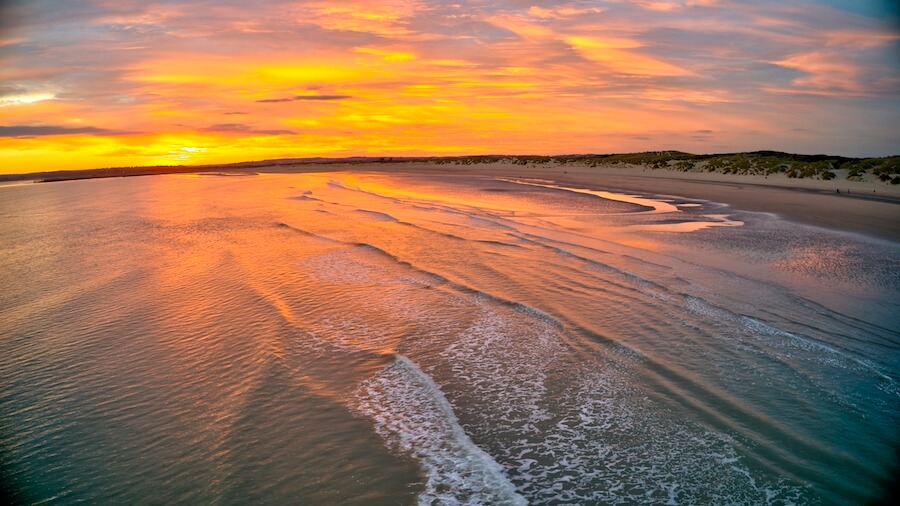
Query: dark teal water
pixel 355 338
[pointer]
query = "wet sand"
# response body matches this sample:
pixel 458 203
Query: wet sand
pixel 865 207
pixel 864 213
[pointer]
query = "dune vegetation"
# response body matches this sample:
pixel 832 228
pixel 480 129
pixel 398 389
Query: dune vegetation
pixel 885 169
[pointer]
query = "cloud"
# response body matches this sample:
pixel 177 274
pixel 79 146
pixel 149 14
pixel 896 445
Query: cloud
pixel 620 56
pixel 240 128
pixel 23 98
pixel 422 76
pixel 563 11
pixel 384 17
pixel 322 97
pixel 702 135
pixel 304 97
pixel 45 130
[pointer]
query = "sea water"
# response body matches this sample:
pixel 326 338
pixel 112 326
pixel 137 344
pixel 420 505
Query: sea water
pixel 362 338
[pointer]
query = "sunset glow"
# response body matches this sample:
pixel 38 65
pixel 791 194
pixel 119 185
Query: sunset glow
pixel 94 83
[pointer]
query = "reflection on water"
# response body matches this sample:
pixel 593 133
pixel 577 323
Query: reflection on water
pixel 715 220
pixel 690 223
pixel 361 338
pixel 657 206
pixel 8 184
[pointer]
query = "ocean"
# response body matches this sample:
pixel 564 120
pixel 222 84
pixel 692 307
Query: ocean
pixel 371 338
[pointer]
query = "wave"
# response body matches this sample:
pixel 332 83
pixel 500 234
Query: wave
pixel 753 326
pixel 412 414
pixel 434 278
pixel 633 281
pixel 602 426
pixel 455 237
pixel 573 435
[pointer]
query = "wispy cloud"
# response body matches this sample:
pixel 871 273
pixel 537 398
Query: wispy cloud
pixel 45 130
pixel 304 97
pixel 563 11
pixel 240 128
pixel 385 17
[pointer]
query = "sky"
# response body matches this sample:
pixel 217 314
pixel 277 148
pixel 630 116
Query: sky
pixel 107 83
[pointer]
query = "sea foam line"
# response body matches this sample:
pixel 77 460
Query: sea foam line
pixel 760 328
pixel 414 416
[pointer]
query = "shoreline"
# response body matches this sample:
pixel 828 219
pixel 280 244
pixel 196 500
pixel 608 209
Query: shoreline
pixel 866 207
pixel 809 202
pixel 877 216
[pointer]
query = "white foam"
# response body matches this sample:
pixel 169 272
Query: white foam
pixel 618 449
pixel 833 357
pixel 412 414
pixel 786 340
pixel 583 435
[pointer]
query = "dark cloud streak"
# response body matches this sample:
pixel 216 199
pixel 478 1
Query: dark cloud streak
pixel 47 130
pixel 304 97
pixel 240 128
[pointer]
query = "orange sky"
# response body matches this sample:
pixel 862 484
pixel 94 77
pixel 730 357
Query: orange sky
pixel 100 83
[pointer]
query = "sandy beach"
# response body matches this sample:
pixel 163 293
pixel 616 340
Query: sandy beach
pixel 865 207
